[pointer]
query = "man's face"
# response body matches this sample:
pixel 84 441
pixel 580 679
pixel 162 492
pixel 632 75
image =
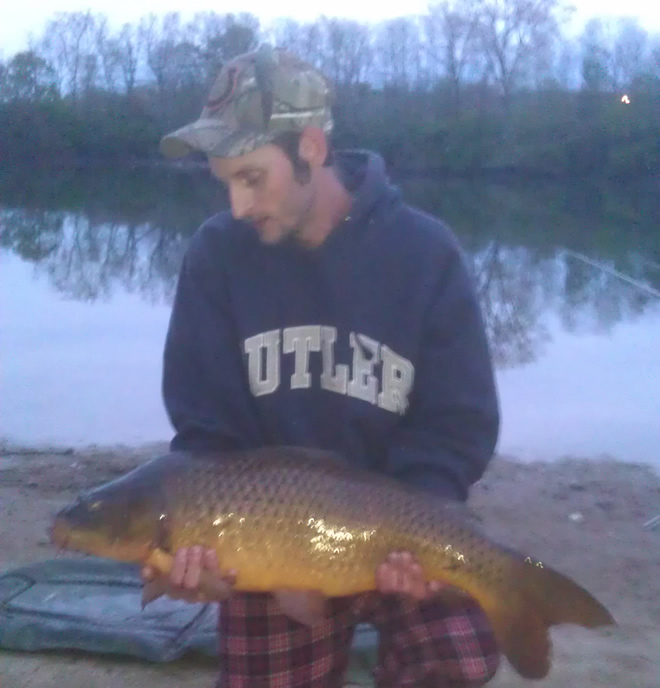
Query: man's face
pixel 263 190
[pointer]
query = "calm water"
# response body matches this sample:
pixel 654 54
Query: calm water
pixel 88 265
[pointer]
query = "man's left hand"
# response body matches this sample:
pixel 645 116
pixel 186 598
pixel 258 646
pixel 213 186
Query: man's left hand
pixel 401 574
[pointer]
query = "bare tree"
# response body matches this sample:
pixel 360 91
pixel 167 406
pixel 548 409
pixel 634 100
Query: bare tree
pixel 629 53
pixel 221 38
pixel 615 54
pixel 400 61
pixel 347 51
pixel 654 58
pixel 514 33
pixel 451 37
pixel 596 57
pixel 158 39
pixel 305 40
pixel 108 53
pixel 128 56
pixel 68 44
pixel 566 65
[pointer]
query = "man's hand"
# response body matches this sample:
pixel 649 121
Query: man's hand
pixel 186 574
pixel 401 574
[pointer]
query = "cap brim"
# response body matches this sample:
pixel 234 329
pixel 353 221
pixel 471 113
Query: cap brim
pixel 202 135
pixel 212 137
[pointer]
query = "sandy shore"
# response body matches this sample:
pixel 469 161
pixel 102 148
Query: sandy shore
pixel 583 517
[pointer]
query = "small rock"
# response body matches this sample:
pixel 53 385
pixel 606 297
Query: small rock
pixel 576 517
pixel 577 487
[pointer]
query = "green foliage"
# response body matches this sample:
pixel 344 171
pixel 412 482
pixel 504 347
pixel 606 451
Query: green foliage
pixel 28 77
pixel 464 144
pixel 612 139
pixel 55 130
pixel 634 158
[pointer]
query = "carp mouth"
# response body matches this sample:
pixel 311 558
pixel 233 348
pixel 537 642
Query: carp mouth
pixel 70 538
pixel 59 534
pixel 67 538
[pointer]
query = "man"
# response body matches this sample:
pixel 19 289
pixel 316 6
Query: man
pixel 325 312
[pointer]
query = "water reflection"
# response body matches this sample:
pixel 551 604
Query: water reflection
pixel 513 286
pixel 98 233
pixel 32 234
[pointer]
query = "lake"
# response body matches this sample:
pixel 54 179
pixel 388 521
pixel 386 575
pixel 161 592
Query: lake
pixel 568 276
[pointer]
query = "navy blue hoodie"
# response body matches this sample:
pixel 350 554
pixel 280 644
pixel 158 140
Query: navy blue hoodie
pixel 371 345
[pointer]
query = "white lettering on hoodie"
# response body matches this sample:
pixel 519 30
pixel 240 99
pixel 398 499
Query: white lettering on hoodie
pixel 377 374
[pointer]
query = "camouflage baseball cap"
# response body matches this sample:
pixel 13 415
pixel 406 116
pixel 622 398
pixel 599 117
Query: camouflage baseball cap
pixel 256 96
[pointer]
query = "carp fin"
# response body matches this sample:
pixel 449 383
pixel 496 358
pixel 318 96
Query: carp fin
pixel 305 606
pixel 162 561
pixel 157 586
pixel 212 588
pixel 153 589
pixel 523 638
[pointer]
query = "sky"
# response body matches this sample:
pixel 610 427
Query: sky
pixel 19 18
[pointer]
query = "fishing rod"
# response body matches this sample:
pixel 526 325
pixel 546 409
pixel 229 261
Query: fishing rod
pixel 616 273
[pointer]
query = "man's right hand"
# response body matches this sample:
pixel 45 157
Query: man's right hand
pixel 186 575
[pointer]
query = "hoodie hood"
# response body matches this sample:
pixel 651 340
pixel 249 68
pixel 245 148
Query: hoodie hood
pixel 363 174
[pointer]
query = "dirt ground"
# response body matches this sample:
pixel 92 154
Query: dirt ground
pixel 584 517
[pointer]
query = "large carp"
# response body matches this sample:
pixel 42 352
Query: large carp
pixel 292 519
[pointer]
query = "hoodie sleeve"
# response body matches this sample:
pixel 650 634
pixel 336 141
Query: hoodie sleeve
pixel 450 430
pixel 205 388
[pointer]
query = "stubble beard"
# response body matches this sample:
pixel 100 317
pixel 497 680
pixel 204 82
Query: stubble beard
pixel 297 231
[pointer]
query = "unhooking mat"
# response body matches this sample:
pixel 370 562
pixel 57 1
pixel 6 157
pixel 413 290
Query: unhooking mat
pixel 94 605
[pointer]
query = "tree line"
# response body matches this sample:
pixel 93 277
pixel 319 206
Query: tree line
pixel 469 86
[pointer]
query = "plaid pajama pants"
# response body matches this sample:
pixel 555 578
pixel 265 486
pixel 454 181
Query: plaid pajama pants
pixel 426 645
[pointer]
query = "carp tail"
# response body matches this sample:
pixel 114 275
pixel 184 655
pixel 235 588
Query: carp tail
pixel 538 598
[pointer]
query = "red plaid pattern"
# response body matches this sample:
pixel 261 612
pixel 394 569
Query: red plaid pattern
pixel 420 645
